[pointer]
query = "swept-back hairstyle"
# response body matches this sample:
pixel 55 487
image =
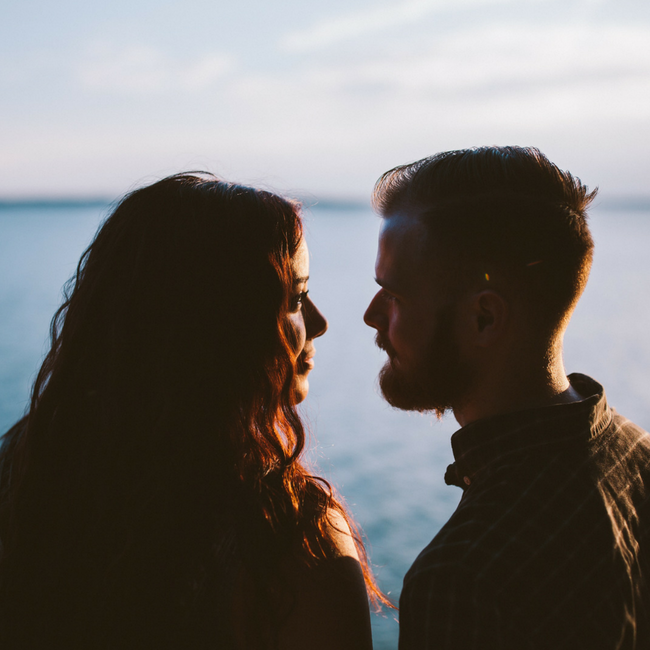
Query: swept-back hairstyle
pixel 501 213
pixel 157 470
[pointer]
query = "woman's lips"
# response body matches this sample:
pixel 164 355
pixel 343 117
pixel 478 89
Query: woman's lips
pixel 307 361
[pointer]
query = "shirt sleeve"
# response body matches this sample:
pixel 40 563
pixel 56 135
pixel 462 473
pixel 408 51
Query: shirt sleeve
pixel 444 608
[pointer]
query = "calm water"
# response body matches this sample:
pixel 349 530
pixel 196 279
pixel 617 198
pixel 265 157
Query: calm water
pixel 388 465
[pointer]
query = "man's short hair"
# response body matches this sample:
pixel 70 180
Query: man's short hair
pixel 503 216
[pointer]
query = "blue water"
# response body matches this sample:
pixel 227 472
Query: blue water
pixel 388 465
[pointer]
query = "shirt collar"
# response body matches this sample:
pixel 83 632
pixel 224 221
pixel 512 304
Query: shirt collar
pixel 479 444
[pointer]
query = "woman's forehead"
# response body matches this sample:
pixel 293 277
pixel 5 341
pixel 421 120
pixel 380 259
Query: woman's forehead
pixel 300 262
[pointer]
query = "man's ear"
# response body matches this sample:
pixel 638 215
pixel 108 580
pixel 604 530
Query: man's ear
pixel 490 315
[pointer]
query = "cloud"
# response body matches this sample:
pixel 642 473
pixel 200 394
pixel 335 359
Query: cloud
pixel 495 60
pixel 479 84
pixel 204 72
pixel 370 21
pixel 139 69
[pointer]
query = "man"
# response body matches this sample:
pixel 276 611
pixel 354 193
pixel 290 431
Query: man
pixel 483 254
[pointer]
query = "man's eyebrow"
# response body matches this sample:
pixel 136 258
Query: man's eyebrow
pixel 387 285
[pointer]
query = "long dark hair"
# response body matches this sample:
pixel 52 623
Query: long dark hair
pixel 158 467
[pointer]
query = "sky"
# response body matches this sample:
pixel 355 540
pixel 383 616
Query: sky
pixel 315 99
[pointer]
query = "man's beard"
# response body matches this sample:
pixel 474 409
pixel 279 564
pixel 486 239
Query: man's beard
pixel 437 383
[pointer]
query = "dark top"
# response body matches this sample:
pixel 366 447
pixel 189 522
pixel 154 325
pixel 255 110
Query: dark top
pixel 7 443
pixel 209 623
pixel 549 546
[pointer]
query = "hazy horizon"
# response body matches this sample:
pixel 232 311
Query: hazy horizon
pixel 630 202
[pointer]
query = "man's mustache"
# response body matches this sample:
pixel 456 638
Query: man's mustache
pixel 384 344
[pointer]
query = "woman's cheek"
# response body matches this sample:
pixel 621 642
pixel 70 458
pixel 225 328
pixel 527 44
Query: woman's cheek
pixel 296 332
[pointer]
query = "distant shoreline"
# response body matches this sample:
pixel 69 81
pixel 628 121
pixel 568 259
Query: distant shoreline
pixel 623 203
pixel 615 202
pixel 76 202
pixel 55 203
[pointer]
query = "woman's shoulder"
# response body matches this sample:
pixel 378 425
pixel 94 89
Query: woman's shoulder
pixel 343 540
pixel 7 445
pixel 331 603
pixel 9 437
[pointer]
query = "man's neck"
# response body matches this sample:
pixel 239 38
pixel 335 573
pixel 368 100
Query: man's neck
pixel 517 389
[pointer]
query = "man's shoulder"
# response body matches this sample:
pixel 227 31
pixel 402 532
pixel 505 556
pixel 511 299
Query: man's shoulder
pixel 540 519
pixel 466 545
pixel 446 593
pixel 529 532
pixel 621 427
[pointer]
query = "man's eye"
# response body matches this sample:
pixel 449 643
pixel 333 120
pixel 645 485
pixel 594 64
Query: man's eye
pixel 298 300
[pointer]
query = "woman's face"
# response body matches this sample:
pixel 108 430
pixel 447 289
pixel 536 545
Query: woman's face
pixel 305 323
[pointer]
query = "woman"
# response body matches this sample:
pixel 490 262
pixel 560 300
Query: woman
pixel 154 497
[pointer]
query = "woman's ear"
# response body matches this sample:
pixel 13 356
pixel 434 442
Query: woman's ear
pixel 490 313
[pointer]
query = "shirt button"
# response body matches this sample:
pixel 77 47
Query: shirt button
pixel 466 479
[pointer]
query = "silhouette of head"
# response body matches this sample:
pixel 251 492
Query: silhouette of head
pixel 459 222
pixel 163 421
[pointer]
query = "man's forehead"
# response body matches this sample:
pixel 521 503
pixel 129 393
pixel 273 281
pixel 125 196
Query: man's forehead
pixel 405 253
pixel 405 234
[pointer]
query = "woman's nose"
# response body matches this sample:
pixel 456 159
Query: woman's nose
pixel 315 322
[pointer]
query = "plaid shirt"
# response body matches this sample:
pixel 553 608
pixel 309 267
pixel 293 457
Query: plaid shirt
pixel 549 546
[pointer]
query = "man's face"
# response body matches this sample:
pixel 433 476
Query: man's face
pixel 415 321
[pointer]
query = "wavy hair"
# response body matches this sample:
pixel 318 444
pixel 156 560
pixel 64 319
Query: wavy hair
pixel 158 468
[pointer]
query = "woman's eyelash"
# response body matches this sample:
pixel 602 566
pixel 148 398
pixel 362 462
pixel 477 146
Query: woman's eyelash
pixel 298 299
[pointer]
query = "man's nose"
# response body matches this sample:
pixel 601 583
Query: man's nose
pixel 375 316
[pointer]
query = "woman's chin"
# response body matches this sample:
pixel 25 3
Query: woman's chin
pixel 300 388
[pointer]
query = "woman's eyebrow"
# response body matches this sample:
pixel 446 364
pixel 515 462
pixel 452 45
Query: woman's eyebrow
pixel 301 280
